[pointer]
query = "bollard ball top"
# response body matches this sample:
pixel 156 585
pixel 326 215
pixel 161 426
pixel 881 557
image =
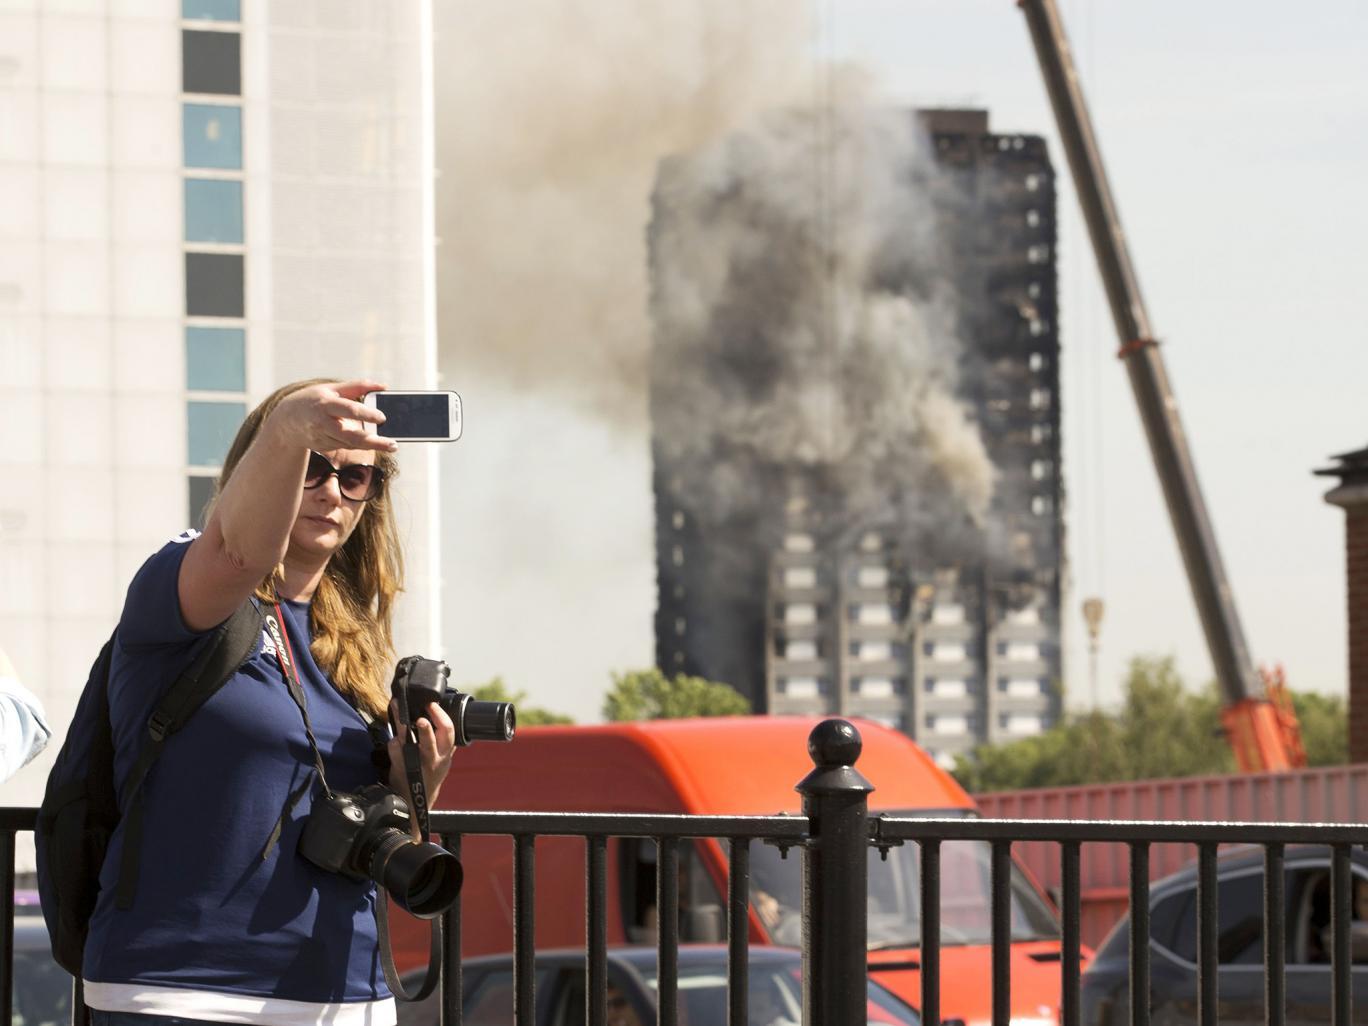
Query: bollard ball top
pixel 834 743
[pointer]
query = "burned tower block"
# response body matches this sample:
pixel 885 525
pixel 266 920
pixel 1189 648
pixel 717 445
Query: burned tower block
pixel 855 421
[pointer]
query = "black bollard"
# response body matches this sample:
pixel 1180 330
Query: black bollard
pixel 835 878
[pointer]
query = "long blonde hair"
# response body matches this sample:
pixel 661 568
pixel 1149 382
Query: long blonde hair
pixel 352 612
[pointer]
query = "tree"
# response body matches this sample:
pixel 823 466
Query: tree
pixel 1324 725
pixel 650 695
pixel 1162 730
pixel 528 715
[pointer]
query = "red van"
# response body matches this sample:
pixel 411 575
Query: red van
pixel 735 766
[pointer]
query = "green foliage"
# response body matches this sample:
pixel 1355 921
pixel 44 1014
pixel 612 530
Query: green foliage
pixel 1162 730
pixel 1324 728
pixel 650 695
pixel 528 716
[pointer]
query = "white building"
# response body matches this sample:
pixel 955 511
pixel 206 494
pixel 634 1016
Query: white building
pixel 199 200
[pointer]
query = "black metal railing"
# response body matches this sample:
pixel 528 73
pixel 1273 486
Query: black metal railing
pixel 834 834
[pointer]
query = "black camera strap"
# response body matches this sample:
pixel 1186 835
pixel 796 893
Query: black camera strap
pixel 413 769
pixel 434 966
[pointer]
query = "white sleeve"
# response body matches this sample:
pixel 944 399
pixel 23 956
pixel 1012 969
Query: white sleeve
pixel 23 727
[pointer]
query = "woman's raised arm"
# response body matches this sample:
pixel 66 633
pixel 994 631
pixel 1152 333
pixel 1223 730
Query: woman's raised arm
pixel 248 531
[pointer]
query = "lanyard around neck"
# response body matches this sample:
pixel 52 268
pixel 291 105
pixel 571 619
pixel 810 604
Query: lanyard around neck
pixel 275 625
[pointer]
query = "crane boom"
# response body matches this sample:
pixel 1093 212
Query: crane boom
pixel 1252 722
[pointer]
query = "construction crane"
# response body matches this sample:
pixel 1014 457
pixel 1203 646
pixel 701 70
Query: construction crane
pixel 1257 713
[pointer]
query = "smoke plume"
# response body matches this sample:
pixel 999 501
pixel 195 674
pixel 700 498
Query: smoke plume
pixel 805 318
pixel 554 118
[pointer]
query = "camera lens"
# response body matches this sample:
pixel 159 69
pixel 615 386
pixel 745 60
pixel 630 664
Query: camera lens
pixel 422 877
pixel 487 721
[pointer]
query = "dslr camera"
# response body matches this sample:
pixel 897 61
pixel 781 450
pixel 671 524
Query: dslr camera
pixel 419 682
pixel 368 834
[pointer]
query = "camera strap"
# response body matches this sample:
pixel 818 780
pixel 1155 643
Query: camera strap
pixel 280 638
pixel 413 769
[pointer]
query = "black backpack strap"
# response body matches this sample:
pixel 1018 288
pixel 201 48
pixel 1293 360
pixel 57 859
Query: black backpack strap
pixel 220 658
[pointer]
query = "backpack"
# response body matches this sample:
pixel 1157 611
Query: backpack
pixel 80 810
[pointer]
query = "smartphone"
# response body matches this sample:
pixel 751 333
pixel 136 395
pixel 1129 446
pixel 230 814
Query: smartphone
pixel 417 416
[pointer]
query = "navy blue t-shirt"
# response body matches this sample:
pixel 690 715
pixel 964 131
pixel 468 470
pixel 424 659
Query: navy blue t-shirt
pixel 210 913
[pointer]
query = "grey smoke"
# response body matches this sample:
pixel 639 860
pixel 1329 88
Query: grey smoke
pixel 552 120
pixel 805 317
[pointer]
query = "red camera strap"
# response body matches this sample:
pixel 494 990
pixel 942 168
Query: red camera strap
pixel 280 638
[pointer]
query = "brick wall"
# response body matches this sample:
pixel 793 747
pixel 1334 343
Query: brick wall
pixel 1356 575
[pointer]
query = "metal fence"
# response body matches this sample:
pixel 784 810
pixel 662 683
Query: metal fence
pixel 834 835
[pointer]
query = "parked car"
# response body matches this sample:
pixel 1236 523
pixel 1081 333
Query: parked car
pixel 774 990
pixel 723 766
pixel 1240 935
pixel 42 988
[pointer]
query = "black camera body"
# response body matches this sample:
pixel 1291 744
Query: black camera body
pixel 419 682
pixel 366 835
pixel 344 832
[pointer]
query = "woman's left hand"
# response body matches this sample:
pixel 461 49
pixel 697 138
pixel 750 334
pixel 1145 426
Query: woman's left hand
pixel 436 743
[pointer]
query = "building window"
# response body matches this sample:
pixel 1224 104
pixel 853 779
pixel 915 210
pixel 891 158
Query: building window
pixel 1021 651
pixel 800 577
pixel 800 613
pixel 1018 723
pixel 949 724
pixel 211 62
pixel 211 10
pixel 212 136
pixel 947 651
pixel 872 577
pixel 872 614
pixel 214 284
pixel 210 428
pixel 1022 687
pixel 946 688
pixel 798 543
pixel 200 492
pixel 947 613
pixel 800 650
pixel 213 210
pixel 215 359
pixel 876 687
pixel 872 651
pixel 801 687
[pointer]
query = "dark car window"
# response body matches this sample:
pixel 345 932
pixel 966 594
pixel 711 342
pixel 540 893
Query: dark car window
pixel 702 914
pixel 1173 923
pixel 1239 939
pixel 490 1003
pixel 623 1008
pixel 487 998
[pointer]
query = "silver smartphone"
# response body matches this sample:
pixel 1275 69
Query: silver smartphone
pixel 413 416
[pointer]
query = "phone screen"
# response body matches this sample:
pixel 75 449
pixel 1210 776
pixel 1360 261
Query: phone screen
pixel 414 415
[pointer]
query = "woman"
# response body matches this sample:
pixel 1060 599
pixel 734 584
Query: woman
pixel 229 923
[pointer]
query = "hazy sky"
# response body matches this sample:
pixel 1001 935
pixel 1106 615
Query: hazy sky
pixel 1234 136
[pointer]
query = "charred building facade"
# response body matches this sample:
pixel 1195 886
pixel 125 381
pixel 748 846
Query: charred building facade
pixel 889 595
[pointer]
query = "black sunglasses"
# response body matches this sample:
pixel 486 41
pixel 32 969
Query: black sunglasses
pixel 356 481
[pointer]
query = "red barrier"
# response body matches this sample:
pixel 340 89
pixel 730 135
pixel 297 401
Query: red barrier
pixel 1334 794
